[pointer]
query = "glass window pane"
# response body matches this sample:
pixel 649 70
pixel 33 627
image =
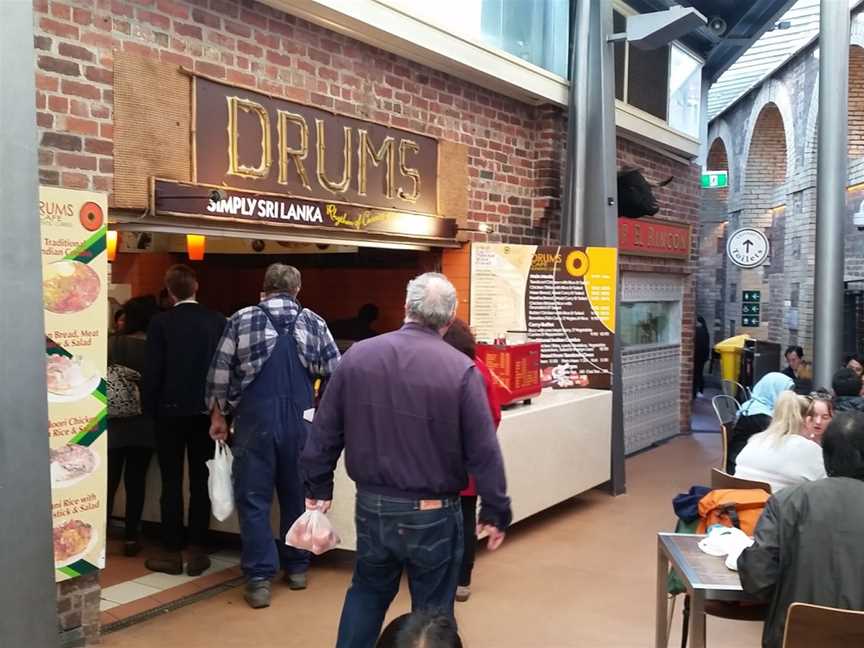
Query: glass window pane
pixel 650 323
pixel 534 30
pixel 647 80
pixel 685 91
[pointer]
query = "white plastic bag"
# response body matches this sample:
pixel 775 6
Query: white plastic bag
pixel 219 482
pixel 313 532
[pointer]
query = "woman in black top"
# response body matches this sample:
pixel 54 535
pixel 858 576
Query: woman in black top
pixel 131 440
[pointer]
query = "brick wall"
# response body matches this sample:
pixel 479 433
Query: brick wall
pixel 514 149
pixel 856 103
pixel 678 201
pixel 78 610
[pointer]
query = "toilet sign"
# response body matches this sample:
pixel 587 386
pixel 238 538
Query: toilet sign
pixel 751 307
pixel 748 247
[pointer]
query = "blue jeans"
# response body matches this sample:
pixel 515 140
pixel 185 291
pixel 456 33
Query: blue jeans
pixel 392 535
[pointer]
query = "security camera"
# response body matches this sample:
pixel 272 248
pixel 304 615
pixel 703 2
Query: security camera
pixel 717 25
pixel 217 195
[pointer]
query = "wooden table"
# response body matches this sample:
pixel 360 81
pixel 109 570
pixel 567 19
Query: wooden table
pixel 704 577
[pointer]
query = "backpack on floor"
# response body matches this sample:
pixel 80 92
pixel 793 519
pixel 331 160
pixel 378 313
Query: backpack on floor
pixel 732 507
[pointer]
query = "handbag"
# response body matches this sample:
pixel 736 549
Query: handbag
pixel 124 396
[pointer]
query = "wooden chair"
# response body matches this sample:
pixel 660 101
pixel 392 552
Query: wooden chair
pixel 808 626
pixel 726 408
pixel 720 479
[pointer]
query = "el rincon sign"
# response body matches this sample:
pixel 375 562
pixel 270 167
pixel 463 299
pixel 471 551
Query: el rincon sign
pixel 249 141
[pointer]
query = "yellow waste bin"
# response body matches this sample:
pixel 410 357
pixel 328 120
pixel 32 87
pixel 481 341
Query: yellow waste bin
pixel 731 350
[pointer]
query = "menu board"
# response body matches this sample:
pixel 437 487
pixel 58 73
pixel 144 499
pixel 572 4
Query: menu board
pixel 75 295
pixel 562 297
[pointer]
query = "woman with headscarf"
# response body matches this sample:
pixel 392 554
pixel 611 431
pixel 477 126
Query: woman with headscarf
pixel 756 413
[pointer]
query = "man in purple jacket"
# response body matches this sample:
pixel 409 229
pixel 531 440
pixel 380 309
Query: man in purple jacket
pixel 412 415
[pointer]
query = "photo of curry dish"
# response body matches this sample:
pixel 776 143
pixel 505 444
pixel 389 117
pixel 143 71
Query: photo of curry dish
pixel 72 540
pixel 69 287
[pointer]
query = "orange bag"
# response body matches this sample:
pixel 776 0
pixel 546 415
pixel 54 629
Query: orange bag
pixel 732 508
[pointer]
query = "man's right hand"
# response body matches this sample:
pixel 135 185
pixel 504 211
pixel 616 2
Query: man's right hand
pixel 218 426
pixel 495 535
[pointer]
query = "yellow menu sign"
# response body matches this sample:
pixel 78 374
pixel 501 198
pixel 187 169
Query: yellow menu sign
pixel 75 285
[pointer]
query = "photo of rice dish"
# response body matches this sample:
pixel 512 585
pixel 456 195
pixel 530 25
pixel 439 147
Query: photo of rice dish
pixel 72 540
pixel 71 463
pixel 69 287
pixel 69 376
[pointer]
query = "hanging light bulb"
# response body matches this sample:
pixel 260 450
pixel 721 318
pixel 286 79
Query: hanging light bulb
pixel 111 244
pixel 195 246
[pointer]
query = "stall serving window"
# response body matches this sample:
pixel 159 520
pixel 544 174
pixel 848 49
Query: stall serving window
pixel 651 323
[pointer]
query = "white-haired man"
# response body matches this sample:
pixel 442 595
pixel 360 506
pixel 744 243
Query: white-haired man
pixel 262 375
pixel 412 415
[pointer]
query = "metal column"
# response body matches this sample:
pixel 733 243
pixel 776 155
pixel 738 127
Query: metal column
pixel 589 213
pixel 28 611
pixel 831 189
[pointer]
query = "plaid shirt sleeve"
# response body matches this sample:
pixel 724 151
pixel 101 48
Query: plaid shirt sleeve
pixel 221 368
pixel 317 348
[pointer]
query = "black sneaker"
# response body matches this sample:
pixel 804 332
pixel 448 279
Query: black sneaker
pixel 257 594
pixel 296 582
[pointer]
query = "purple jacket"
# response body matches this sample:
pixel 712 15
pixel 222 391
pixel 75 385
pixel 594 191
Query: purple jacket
pixel 412 415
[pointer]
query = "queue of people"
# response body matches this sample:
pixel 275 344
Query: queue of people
pixel 249 379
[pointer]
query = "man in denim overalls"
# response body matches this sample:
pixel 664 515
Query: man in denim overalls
pixel 262 374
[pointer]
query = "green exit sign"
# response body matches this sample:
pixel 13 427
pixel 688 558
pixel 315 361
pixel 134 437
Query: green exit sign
pixel 715 179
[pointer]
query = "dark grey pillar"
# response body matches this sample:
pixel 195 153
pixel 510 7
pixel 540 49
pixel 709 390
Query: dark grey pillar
pixel 589 212
pixel 831 189
pixel 28 612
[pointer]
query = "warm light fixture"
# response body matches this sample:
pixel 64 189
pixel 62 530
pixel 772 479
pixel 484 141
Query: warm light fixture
pixel 195 246
pixel 111 244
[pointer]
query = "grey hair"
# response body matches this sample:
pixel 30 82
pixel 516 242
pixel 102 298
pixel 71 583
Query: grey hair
pixel 281 278
pixel 430 300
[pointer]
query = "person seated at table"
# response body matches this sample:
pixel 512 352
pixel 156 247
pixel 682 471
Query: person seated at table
pixel 855 363
pixel 782 455
pixel 847 387
pixel 808 545
pixel 420 629
pixel 756 413
pixel 819 415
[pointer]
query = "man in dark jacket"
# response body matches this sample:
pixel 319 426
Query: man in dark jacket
pixel 412 415
pixel 808 545
pixel 180 344
pixel 847 391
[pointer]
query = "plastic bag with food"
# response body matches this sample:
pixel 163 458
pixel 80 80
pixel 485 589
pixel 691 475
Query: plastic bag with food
pixel 219 482
pixel 313 532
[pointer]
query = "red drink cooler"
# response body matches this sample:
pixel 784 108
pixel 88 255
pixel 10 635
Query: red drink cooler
pixel 515 369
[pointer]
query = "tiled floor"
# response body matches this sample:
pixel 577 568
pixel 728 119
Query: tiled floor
pixel 579 576
pixel 129 588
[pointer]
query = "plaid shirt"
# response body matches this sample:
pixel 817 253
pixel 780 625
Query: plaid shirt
pixel 250 338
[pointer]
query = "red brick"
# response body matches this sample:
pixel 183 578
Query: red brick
pixel 173 8
pixel 119 8
pixel 99 75
pixel 74 51
pixel 266 39
pixel 103 183
pixel 41 100
pixel 75 181
pixel 238 29
pixel 328 73
pixel 319 56
pixel 177 59
pixel 77 89
pixel 106 165
pixel 252 18
pixel 210 69
pixel 81 16
pixel 241 78
pixel 187 30
pixel 225 7
pixel 44 120
pixel 98 40
pixel 249 49
pixel 57 104
pixel 59 28
pixel 278 59
pixel 100 111
pixel 81 126
pixel 40 6
pixel 42 43
pixel 140 50
pixel 77 161
pixel 155 19
pixel 45 82
pixel 106 131
pixel 102 147
pixel 206 18
pixel 46 158
pixel 61 11
pixel 79 108
pixel 220 39
pixel 281 28
pixel 61 141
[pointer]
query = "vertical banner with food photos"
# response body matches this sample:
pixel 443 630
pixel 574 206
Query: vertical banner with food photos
pixel 74 274
pixel 562 297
